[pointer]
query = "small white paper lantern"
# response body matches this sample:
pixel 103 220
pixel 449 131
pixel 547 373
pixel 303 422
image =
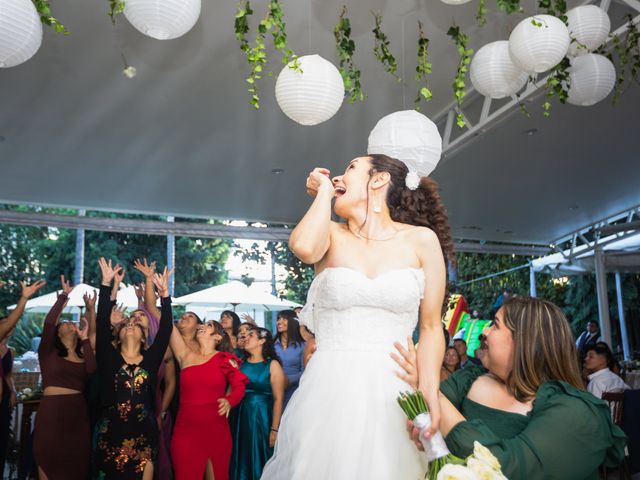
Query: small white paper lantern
pixel 592 78
pixel 536 49
pixel 589 25
pixel 492 72
pixel 410 137
pixel 162 19
pixel 313 96
pixel 20 32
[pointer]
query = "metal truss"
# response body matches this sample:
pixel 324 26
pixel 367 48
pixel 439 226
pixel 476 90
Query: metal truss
pixel 489 116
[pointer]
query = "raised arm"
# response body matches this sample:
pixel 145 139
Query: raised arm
pixel 90 315
pixel 51 320
pixel 7 324
pixel 310 240
pixel 161 342
pixel 431 344
pixel 87 350
pixel 278 385
pixel 105 305
pixel 150 299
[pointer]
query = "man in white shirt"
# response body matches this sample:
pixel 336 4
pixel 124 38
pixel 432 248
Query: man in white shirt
pixel 598 360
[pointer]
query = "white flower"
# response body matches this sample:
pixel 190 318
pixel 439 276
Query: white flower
pixel 456 472
pixel 412 181
pixel 483 454
pixel 129 72
pixel 483 471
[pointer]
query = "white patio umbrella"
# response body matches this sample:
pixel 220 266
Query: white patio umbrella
pixel 234 296
pixel 43 303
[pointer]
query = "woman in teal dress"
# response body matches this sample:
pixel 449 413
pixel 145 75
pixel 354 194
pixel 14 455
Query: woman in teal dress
pixel 255 422
pixel 530 408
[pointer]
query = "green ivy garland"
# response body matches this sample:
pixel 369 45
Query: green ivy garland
pixel 557 8
pixel 557 85
pixel 44 10
pixel 628 53
pixel 116 7
pixel 381 48
pixel 423 67
pixel 509 6
pixel 461 40
pixel 257 54
pixel 346 48
pixel 481 13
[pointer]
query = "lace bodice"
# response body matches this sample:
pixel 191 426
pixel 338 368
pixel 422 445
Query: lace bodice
pixel 346 310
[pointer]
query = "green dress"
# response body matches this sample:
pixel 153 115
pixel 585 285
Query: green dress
pixel 567 435
pixel 251 424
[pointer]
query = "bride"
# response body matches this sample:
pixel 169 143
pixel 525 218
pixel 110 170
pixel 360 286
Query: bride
pixel 376 275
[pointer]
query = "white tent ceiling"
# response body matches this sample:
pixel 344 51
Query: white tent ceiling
pixel 181 138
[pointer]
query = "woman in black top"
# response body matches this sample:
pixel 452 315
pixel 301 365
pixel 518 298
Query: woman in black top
pixel 126 437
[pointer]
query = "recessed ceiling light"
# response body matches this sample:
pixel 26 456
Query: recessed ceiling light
pixel 277 171
pixel 530 132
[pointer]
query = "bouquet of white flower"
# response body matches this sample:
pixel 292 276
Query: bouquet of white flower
pixel 443 465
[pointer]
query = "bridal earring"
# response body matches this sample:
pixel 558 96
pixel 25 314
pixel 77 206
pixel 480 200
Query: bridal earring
pixel 377 207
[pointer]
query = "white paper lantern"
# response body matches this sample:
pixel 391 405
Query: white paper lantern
pixel 536 49
pixel 313 96
pixel 492 72
pixel 162 19
pixel 20 32
pixel 589 25
pixel 592 78
pixel 410 137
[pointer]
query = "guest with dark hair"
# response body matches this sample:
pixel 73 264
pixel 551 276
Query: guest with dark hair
pixel 289 346
pixel 230 321
pixel 599 360
pixel 62 435
pixel 465 360
pixel 257 419
pixel 450 364
pixel 589 337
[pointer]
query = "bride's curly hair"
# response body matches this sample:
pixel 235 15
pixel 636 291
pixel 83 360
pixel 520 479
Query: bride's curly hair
pixel 421 207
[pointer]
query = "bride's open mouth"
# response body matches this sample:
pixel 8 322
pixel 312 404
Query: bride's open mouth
pixel 340 190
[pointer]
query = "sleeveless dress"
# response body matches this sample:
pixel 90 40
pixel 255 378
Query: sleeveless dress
pixel 343 421
pixel 252 424
pixel 200 433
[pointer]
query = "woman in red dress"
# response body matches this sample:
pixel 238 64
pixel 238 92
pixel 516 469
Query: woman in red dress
pixel 201 438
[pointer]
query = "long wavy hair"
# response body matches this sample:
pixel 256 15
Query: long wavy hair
pixel 293 328
pixel 421 207
pixel 268 349
pixel 60 347
pixel 225 343
pixel 235 325
pixel 544 346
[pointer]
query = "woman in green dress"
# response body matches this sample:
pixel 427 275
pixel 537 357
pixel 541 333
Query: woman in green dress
pixel 530 408
pixel 255 422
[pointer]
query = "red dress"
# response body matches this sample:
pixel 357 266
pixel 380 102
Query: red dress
pixel 200 433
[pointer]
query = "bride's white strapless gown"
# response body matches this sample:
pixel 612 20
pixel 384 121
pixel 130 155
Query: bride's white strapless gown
pixel 343 421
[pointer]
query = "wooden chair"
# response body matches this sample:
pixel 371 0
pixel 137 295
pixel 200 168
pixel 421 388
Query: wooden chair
pixel 616 405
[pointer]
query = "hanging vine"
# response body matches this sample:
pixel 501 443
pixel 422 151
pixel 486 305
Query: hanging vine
pixel 628 53
pixel 509 6
pixel 459 82
pixel 44 10
pixel 381 48
pixel 116 7
pixel 423 67
pixel 346 48
pixel 481 13
pixel 257 54
pixel 557 85
pixel 557 8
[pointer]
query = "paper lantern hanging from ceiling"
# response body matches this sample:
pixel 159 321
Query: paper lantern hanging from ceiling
pixel 592 77
pixel 162 19
pixel 589 25
pixel 313 96
pixel 538 43
pixel 20 32
pixel 492 72
pixel 410 137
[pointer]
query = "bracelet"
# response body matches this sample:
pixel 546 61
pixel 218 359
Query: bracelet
pixel 274 430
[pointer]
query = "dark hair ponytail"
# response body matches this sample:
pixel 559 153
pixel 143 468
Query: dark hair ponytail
pixel 421 207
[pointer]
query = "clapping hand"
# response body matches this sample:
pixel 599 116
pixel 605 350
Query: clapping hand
pixel 29 290
pixel 317 179
pixel 108 271
pixel 146 269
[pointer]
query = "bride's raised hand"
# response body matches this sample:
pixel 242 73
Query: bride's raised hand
pixel 318 179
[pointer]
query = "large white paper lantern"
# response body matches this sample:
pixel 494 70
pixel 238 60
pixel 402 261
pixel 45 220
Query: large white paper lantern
pixel 313 96
pixel 163 19
pixel 410 137
pixel 536 49
pixel 592 78
pixel 20 32
pixel 589 25
pixel 492 72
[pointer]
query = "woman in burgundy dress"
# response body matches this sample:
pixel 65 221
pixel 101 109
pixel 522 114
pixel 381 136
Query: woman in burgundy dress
pixel 62 437
pixel 201 441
